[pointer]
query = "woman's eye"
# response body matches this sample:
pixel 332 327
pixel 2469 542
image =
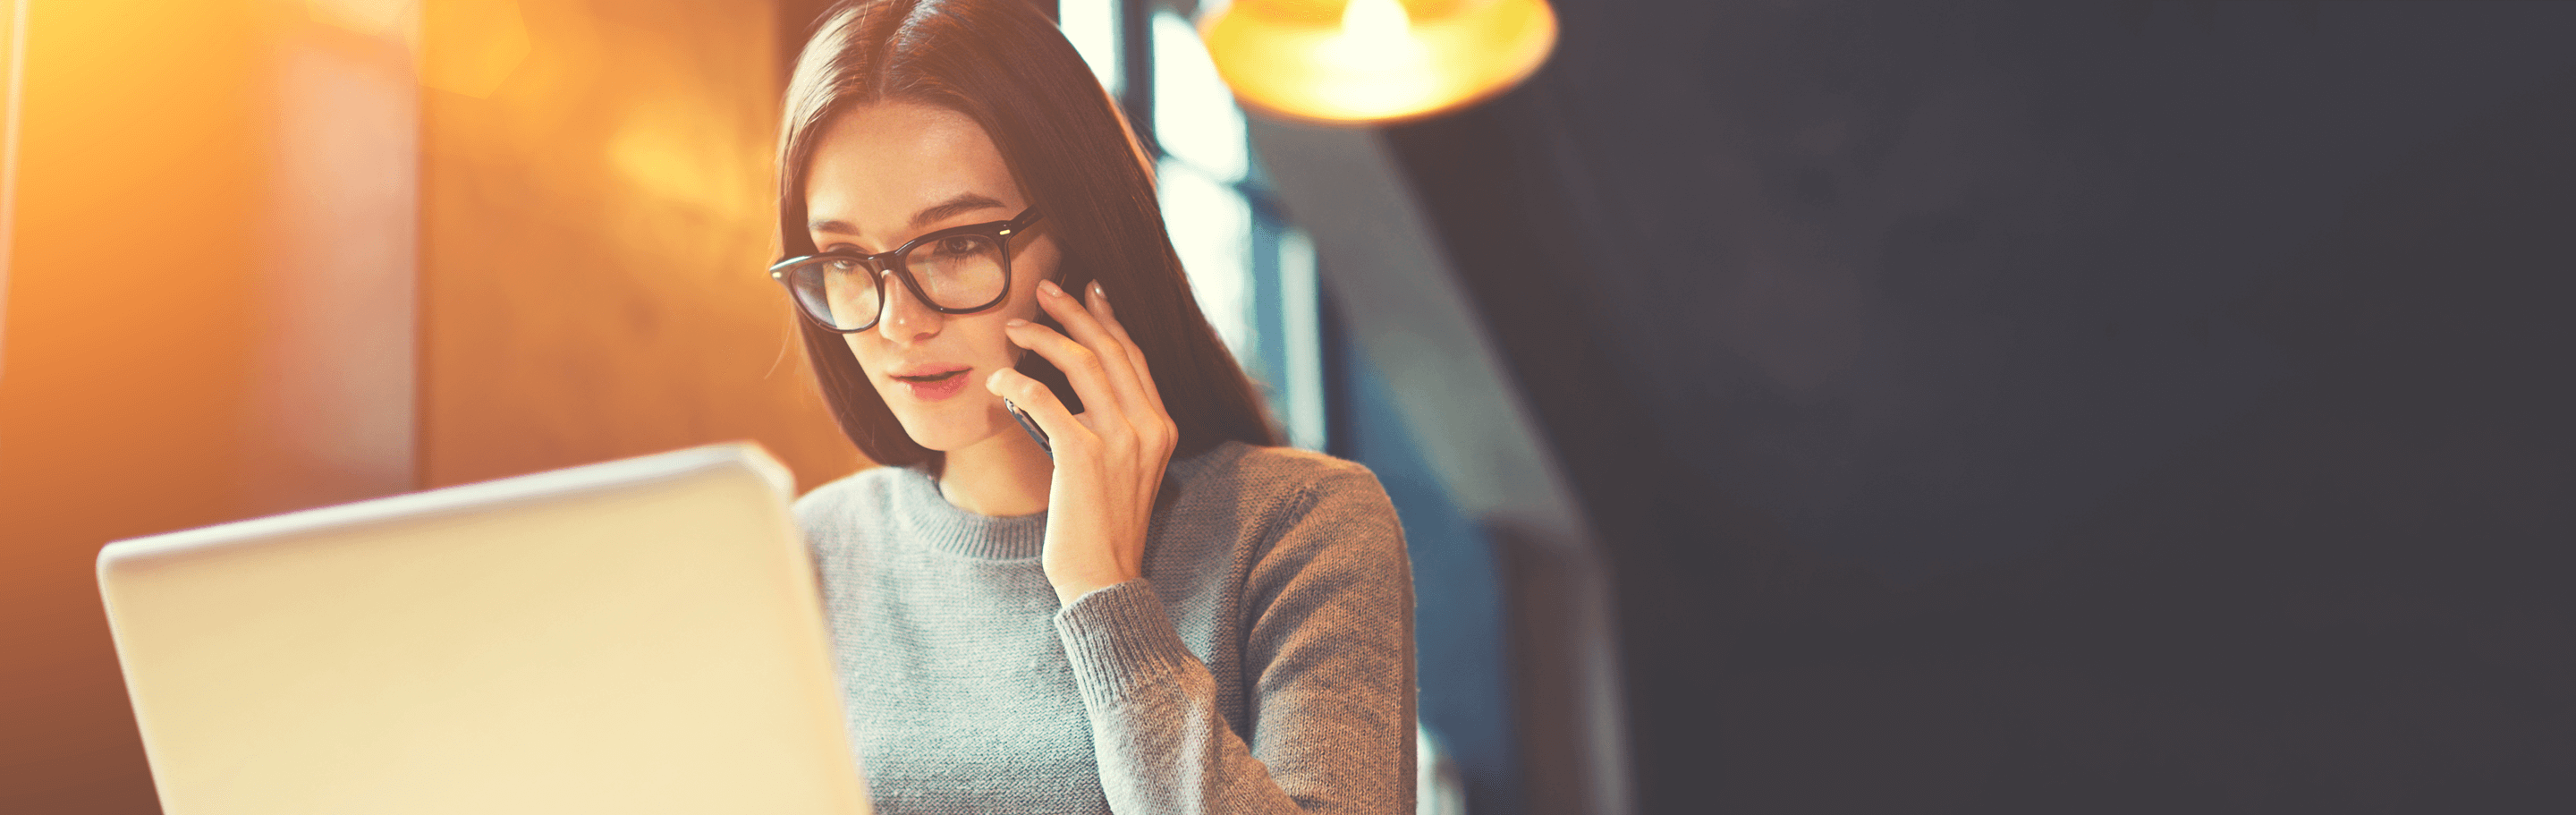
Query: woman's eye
pixel 959 245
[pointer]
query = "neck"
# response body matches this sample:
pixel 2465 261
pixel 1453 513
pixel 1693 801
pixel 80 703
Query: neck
pixel 1003 476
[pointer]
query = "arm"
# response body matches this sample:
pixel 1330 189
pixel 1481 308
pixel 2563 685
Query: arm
pixel 1328 650
pixel 1328 661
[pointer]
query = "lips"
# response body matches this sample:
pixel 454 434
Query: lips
pixel 931 383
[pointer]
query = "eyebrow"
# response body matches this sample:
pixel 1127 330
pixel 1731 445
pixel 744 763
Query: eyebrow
pixel 964 202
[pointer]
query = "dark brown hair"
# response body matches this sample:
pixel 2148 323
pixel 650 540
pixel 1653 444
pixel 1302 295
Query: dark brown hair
pixel 1004 65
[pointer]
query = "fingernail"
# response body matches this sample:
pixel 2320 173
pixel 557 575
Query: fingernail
pixel 1015 322
pixel 1050 287
pixel 1098 291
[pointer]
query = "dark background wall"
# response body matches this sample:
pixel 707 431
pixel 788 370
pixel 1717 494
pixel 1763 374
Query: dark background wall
pixel 2055 406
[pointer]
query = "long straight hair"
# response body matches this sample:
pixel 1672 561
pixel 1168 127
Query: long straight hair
pixel 1004 65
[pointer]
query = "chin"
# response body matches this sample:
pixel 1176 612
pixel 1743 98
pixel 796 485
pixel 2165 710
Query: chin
pixel 949 428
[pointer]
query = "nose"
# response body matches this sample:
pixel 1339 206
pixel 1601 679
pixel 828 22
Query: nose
pixel 903 317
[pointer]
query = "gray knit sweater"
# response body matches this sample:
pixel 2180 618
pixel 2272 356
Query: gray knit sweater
pixel 1263 664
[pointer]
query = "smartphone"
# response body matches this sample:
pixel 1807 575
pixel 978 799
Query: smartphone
pixel 1038 368
pixel 1030 425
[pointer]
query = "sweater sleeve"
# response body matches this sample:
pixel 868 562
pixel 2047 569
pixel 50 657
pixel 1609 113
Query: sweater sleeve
pixel 1328 662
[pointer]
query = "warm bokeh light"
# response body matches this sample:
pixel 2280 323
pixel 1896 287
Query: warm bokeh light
pixel 264 255
pixel 480 43
pixel 1372 61
pixel 139 128
pixel 594 228
pixel 390 19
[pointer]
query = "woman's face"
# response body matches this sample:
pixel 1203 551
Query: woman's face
pixel 883 175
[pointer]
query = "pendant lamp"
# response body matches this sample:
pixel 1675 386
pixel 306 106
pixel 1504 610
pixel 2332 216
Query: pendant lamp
pixel 1375 61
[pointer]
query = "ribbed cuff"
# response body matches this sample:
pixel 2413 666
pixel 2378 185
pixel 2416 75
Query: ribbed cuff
pixel 1119 641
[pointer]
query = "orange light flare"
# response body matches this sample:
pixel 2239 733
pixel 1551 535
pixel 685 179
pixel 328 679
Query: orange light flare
pixel 1358 62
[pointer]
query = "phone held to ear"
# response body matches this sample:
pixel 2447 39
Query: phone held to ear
pixel 1037 367
pixel 1030 425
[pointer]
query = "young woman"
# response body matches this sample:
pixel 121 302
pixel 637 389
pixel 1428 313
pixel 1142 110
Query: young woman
pixel 1153 610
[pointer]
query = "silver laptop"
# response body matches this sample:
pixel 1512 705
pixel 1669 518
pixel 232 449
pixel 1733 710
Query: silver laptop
pixel 640 636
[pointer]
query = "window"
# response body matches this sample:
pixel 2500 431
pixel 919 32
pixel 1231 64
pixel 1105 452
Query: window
pixel 1253 273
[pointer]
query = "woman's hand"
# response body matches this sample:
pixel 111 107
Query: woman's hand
pixel 1108 461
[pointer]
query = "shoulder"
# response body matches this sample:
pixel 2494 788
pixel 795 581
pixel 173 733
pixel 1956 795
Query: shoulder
pixel 1309 525
pixel 1288 505
pixel 1285 477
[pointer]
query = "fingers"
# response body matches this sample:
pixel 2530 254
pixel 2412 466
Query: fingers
pixel 1108 317
pixel 1034 398
pixel 1163 433
pixel 1081 366
pixel 1115 355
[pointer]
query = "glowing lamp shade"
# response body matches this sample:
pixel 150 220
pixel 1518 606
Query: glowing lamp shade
pixel 1372 61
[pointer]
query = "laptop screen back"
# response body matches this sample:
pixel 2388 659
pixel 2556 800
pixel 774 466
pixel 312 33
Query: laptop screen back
pixel 639 636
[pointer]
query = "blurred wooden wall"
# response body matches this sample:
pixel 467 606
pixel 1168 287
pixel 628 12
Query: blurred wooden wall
pixel 274 254
pixel 596 226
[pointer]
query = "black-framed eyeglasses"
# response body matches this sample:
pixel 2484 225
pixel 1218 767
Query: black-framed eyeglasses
pixel 960 270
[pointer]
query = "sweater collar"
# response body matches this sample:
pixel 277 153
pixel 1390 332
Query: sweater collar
pixel 942 526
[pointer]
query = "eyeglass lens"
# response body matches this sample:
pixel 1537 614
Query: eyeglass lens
pixel 957 272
